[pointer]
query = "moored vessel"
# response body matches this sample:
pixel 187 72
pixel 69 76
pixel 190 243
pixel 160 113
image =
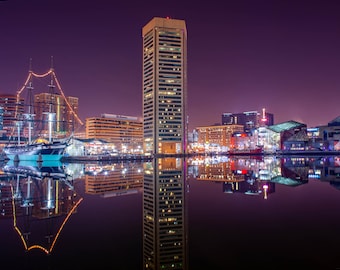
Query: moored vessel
pixel 34 145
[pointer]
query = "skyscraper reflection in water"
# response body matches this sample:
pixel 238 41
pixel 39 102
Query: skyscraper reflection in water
pixel 164 214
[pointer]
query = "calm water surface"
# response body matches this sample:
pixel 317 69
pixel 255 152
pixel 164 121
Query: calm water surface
pixel 202 213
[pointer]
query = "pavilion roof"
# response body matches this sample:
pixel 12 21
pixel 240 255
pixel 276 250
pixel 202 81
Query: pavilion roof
pixel 285 126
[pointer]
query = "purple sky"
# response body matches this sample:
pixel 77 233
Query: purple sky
pixel 242 55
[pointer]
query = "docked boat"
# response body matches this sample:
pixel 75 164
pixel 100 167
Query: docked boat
pixel 36 147
pixel 40 150
pixel 253 151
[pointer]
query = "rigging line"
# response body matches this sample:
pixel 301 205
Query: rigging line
pixel 64 222
pixel 68 104
pixel 42 75
pixel 19 92
pixel 51 71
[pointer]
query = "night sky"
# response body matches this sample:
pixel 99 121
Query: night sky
pixel 242 55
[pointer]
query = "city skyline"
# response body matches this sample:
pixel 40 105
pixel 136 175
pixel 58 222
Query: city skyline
pixel 242 56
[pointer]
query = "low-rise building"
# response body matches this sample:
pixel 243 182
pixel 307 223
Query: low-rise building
pixel 330 135
pixel 216 138
pixel 286 136
pixel 125 132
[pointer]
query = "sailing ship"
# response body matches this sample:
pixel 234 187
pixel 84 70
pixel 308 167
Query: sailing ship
pixel 39 149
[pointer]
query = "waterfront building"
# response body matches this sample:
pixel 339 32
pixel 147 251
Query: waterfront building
pixel 215 138
pixel 55 103
pixel 250 119
pixel 88 147
pixel 243 141
pixel 164 86
pixel 315 140
pixel 125 132
pixel 11 108
pixel 286 136
pixel 329 135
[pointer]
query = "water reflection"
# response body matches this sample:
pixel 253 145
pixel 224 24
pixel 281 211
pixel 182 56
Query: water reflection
pixel 34 193
pixel 258 175
pixel 41 199
pixel 164 215
pixel 113 179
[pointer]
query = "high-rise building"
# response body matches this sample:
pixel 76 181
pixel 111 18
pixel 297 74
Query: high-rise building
pixel 164 86
pixel 250 119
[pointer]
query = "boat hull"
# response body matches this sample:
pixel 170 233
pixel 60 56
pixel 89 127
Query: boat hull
pixel 36 152
pixel 24 157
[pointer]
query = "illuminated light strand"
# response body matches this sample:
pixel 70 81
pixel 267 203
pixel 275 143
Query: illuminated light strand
pixel 42 75
pixel 28 248
pixel 15 220
pixel 64 222
pixel 68 104
pixel 19 92
pixel 51 71
pixel 38 247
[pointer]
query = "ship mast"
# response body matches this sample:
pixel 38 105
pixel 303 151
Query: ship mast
pixel 30 113
pixel 51 114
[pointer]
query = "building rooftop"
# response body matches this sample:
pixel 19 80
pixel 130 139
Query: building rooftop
pixel 285 126
pixel 335 122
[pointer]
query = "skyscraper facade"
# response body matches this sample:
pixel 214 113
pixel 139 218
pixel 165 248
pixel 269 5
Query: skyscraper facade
pixel 164 86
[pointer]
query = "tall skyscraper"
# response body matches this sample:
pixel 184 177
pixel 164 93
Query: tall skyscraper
pixel 164 86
